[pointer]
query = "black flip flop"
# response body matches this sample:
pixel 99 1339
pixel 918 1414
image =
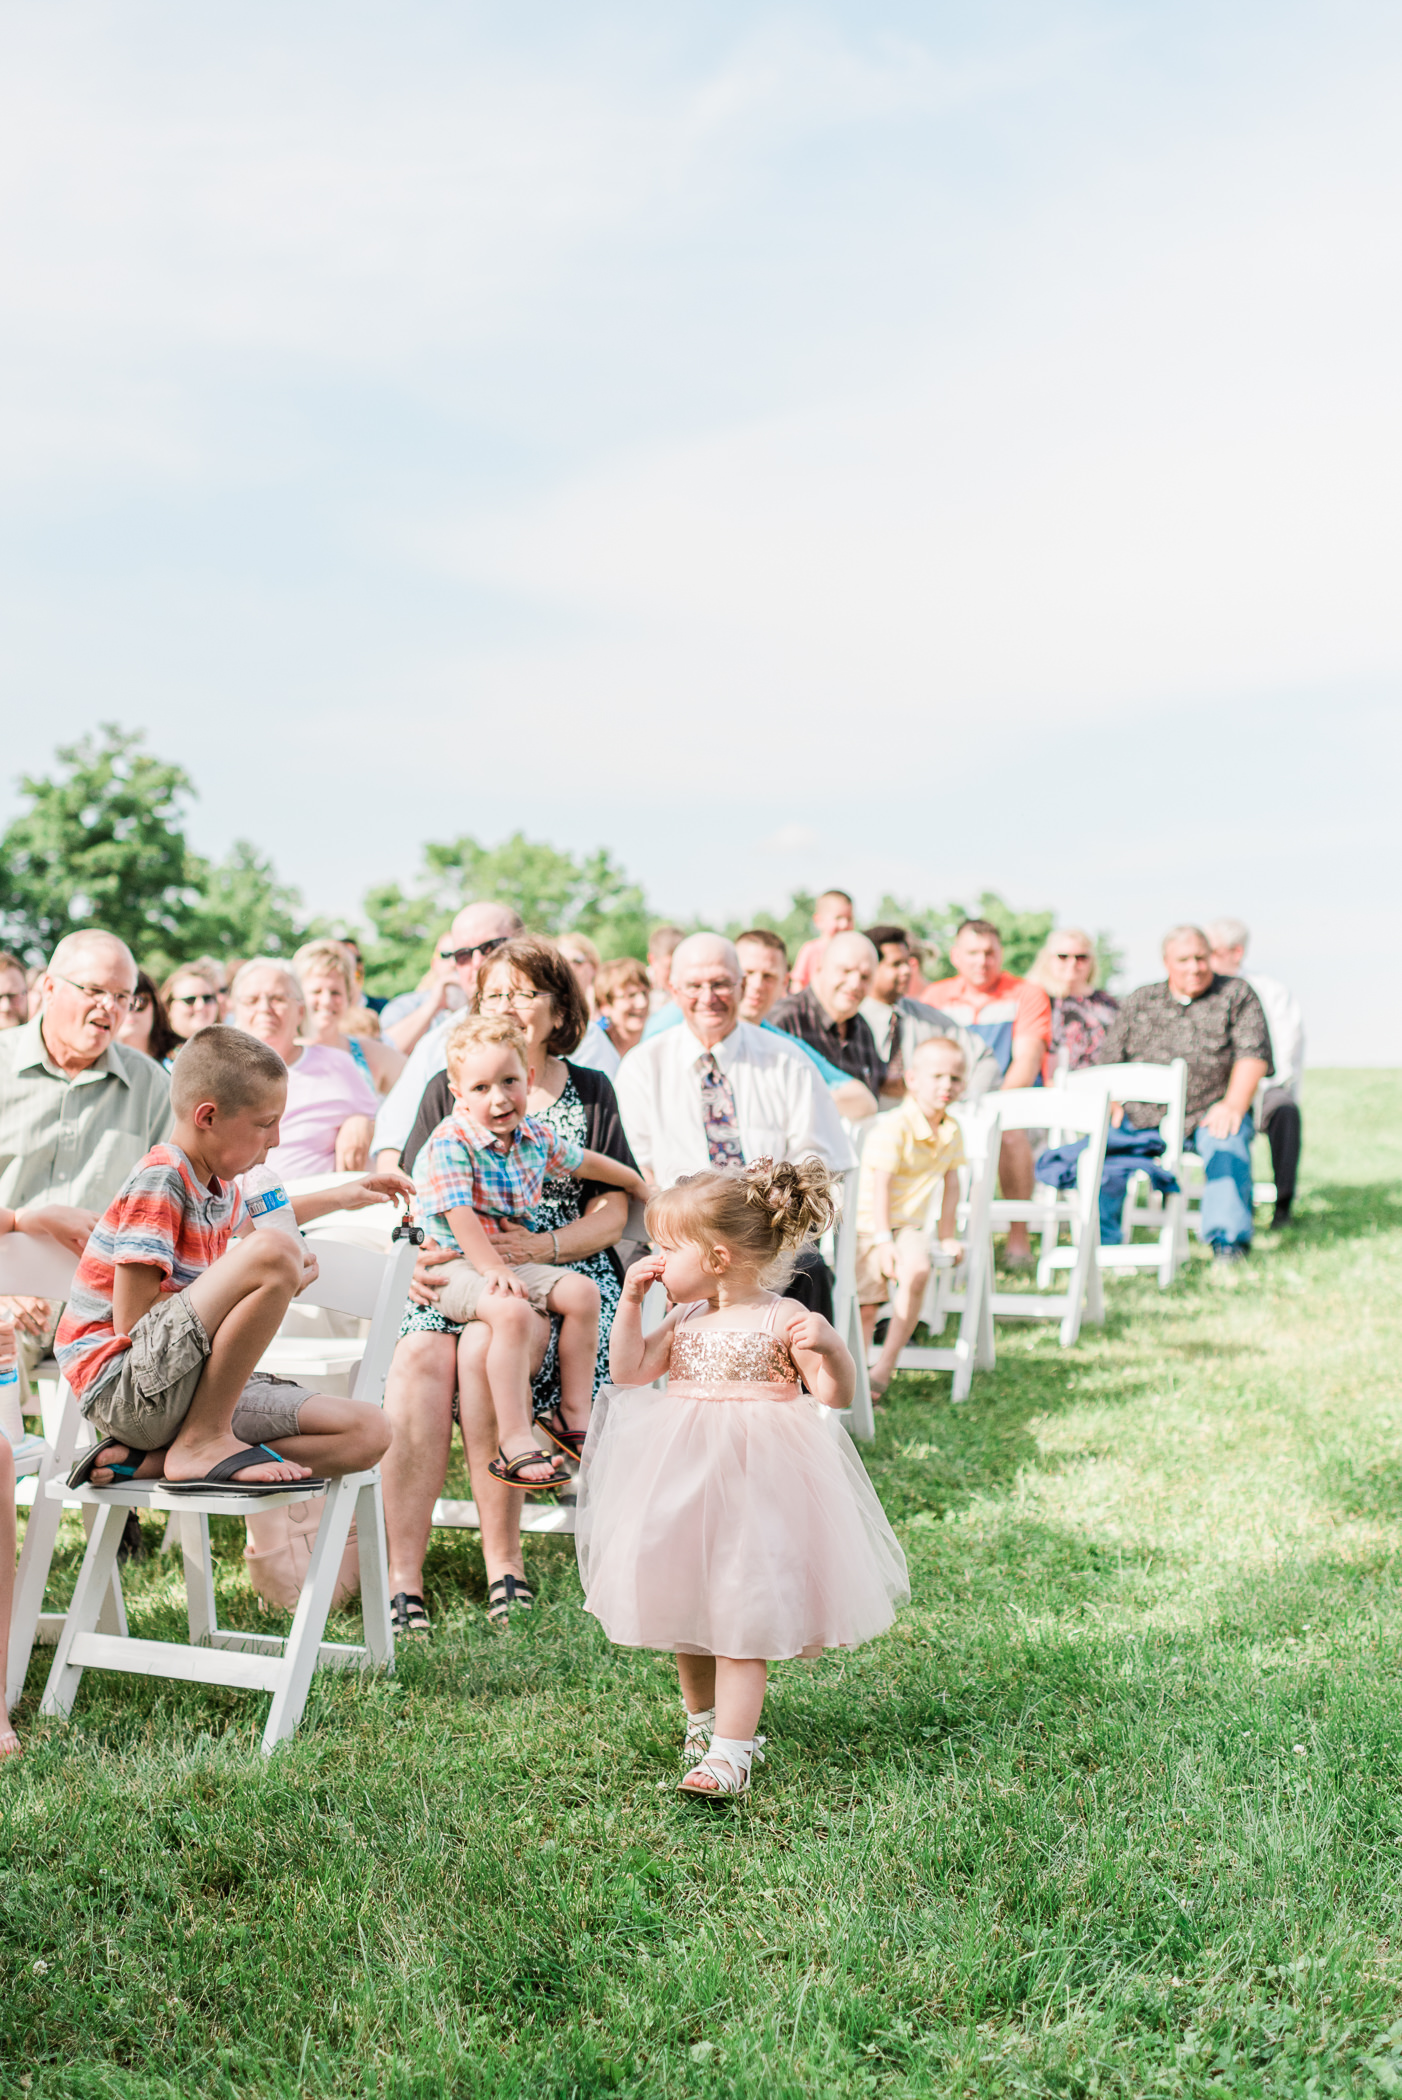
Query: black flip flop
pixel 219 1479
pixel 570 1441
pixel 122 1475
pixel 409 1614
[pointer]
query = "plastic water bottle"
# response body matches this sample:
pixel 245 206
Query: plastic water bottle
pixel 11 1415
pixel 269 1205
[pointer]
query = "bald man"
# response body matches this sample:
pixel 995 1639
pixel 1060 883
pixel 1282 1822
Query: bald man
pixel 475 934
pixel 78 1109
pixel 827 1013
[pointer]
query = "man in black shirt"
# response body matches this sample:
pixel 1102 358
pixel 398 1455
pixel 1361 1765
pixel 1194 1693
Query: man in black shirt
pixel 1217 1025
pixel 827 1013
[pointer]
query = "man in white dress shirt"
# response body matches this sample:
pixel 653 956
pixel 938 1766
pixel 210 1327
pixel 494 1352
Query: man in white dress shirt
pixel 718 1091
pixel 1280 1110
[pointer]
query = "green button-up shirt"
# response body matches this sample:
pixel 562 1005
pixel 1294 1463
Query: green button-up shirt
pixel 75 1140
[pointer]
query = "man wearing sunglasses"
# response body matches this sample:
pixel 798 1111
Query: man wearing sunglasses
pixel 476 932
pixel 78 1108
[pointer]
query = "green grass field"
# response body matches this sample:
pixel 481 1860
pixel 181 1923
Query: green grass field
pixel 1115 1809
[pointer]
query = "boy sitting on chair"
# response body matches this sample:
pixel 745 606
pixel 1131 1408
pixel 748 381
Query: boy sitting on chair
pixel 167 1320
pixel 907 1153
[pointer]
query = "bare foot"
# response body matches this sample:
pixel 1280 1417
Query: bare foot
pixel 196 1462
pixel 151 1468
pixel 9 1741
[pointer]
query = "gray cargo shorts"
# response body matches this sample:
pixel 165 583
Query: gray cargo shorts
pixel 145 1404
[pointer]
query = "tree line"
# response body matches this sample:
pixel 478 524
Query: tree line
pixel 101 842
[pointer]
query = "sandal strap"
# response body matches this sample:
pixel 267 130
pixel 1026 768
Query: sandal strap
pixel 511 1469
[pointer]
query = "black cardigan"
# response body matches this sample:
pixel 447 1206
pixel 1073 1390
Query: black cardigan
pixel 604 1127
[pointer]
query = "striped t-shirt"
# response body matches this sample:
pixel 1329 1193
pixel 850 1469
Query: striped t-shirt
pixel 162 1216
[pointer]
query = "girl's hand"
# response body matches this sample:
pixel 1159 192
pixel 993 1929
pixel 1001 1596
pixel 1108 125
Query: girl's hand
pixel 310 1268
pixel 514 1244
pixel 816 1335
pixel 886 1259
pixel 59 1221
pixel 642 1276
pixel 954 1247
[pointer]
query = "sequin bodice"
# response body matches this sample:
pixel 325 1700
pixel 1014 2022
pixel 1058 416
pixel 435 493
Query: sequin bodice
pixel 730 1355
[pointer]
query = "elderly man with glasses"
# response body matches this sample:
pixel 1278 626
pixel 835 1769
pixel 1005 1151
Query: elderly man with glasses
pixel 477 932
pixel 717 1091
pixel 78 1109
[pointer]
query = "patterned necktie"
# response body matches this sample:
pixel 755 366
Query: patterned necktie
pixel 718 1109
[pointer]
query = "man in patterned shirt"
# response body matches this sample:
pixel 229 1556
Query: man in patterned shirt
pixel 1217 1025
pixel 483 1169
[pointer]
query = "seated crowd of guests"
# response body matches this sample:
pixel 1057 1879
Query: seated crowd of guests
pixel 714 1052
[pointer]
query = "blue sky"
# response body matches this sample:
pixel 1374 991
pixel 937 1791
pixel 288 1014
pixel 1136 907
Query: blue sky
pixel 913 447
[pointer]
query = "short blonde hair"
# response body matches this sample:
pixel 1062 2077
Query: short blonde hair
pixel 763 1213
pixel 580 940
pixel 323 958
pixel 614 975
pixel 480 1032
pixel 1038 974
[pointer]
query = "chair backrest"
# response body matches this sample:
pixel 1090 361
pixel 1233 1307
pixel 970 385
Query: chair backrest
pixel 1048 1108
pixel 35 1268
pixel 371 1286
pixel 1166 1084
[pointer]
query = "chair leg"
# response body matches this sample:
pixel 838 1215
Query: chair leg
pixel 374 1574
pixel 89 1596
pixel 196 1552
pixel 31 1580
pixel 313 1608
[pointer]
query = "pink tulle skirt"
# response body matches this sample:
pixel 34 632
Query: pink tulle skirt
pixel 719 1522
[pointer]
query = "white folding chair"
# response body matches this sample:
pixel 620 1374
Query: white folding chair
pixel 354 1280
pixel 963 1292
pixel 41 1268
pixel 840 1250
pixel 1146 1209
pixel 1085 1114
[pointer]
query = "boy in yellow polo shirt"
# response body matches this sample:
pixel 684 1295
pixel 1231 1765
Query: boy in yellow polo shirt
pixel 908 1151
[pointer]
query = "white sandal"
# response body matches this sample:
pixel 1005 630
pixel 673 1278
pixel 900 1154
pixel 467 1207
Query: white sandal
pixel 728 1762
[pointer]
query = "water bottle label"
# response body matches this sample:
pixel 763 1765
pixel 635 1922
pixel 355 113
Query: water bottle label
pixel 9 1375
pixel 268 1200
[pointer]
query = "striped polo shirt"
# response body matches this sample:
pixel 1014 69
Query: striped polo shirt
pixel 163 1217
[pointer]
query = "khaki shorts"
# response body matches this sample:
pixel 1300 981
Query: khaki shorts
pixel 872 1287
pixel 463 1288
pixel 145 1404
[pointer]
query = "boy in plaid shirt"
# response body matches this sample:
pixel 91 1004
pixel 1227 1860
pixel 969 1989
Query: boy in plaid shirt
pixel 484 1167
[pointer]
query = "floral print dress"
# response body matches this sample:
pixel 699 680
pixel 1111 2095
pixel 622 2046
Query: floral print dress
pixel 560 1205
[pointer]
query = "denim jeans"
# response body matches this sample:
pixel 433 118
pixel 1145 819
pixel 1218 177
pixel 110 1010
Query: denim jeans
pixel 1227 1199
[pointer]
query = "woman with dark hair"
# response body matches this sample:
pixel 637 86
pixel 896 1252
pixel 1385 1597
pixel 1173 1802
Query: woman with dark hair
pixel 576 1226
pixel 147 1025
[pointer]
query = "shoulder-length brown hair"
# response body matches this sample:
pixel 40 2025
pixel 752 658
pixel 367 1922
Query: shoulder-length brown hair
pixel 542 965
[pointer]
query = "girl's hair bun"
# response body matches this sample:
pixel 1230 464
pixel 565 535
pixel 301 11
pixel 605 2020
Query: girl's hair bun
pixel 795 1196
pixel 764 1212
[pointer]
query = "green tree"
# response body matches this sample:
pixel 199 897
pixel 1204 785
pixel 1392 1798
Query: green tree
pixel 242 908
pixel 553 892
pixel 102 843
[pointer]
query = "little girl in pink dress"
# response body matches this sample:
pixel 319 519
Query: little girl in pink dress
pixel 729 1518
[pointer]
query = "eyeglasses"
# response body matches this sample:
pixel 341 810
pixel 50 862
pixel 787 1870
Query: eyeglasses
pixel 460 956
pixel 1072 954
pixel 518 995
pixel 196 999
pixel 141 1003
pixel 99 994
pixel 276 1002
